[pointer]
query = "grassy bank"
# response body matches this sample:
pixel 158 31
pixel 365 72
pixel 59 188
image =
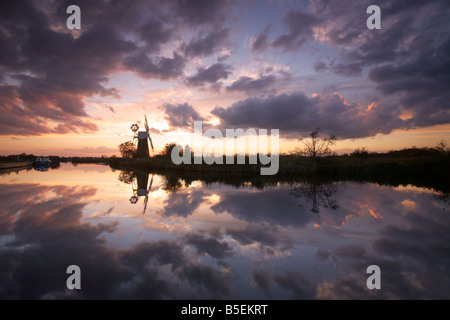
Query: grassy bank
pixel 427 170
pixel 376 165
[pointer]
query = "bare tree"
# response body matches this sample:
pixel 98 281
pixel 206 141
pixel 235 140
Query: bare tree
pixel 442 147
pixel 318 147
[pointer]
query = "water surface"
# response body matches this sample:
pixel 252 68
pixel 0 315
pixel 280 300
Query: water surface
pixel 150 237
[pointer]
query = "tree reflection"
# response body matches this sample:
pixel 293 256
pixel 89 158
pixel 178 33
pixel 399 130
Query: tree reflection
pixel 126 177
pixel 172 183
pixel 316 195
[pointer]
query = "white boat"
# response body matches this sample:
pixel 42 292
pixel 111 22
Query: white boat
pixel 43 162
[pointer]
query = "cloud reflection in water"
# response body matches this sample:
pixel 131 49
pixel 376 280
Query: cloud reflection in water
pixel 245 244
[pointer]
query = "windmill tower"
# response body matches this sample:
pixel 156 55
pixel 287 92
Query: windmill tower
pixel 140 138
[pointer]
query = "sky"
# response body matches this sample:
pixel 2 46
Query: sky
pixel 289 65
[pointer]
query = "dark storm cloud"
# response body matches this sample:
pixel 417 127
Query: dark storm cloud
pixel 162 68
pixel 247 84
pixel 181 116
pixel 423 83
pixel 16 120
pixel 155 34
pixel 408 57
pixel 55 71
pixel 294 283
pixel 300 26
pixel 260 42
pixel 200 12
pixel 199 47
pixel 203 276
pixel 47 71
pixel 296 114
pixel 210 75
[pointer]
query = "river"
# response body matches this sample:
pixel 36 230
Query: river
pixel 147 236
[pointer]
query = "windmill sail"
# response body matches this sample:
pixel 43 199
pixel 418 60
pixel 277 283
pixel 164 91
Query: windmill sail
pixel 148 132
pixel 146 196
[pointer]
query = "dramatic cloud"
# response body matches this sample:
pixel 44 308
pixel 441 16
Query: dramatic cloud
pixel 181 116
pixel 155 34
pixel 297 114
pixel 53 71
pixel 408 56
pixel 209 245
pixel 199 47
pixel 248 84
pixel 183 204
pixel 47 71
pixel 202 11
pixel 274 207
pixel 161 68
pixel 348 70
pixel 46 235
pixel 272 243
pixel 210 75
pixel 269 238
pixel 300 26
pixel 260 42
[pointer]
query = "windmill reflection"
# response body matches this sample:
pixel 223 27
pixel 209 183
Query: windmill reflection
pixel 316 195
pixel 141 186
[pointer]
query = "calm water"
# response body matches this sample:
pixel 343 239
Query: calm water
pixel 300 241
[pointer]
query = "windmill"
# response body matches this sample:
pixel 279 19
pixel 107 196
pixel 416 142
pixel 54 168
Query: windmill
pixel 140 138
pixel 140 189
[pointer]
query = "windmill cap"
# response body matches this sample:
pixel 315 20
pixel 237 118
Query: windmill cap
pixel 142 135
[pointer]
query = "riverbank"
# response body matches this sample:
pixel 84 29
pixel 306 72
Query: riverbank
pixel 422 171
pixel 288 164
pixel 13 165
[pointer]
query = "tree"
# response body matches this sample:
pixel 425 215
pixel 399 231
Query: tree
pixel 360 152
pixel 318 147
pixel 442 147
pixel 167 150
pixel 127 149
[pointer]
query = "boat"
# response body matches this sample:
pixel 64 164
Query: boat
pixel 42 162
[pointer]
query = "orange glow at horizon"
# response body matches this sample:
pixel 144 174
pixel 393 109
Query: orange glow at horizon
pixel 111 134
